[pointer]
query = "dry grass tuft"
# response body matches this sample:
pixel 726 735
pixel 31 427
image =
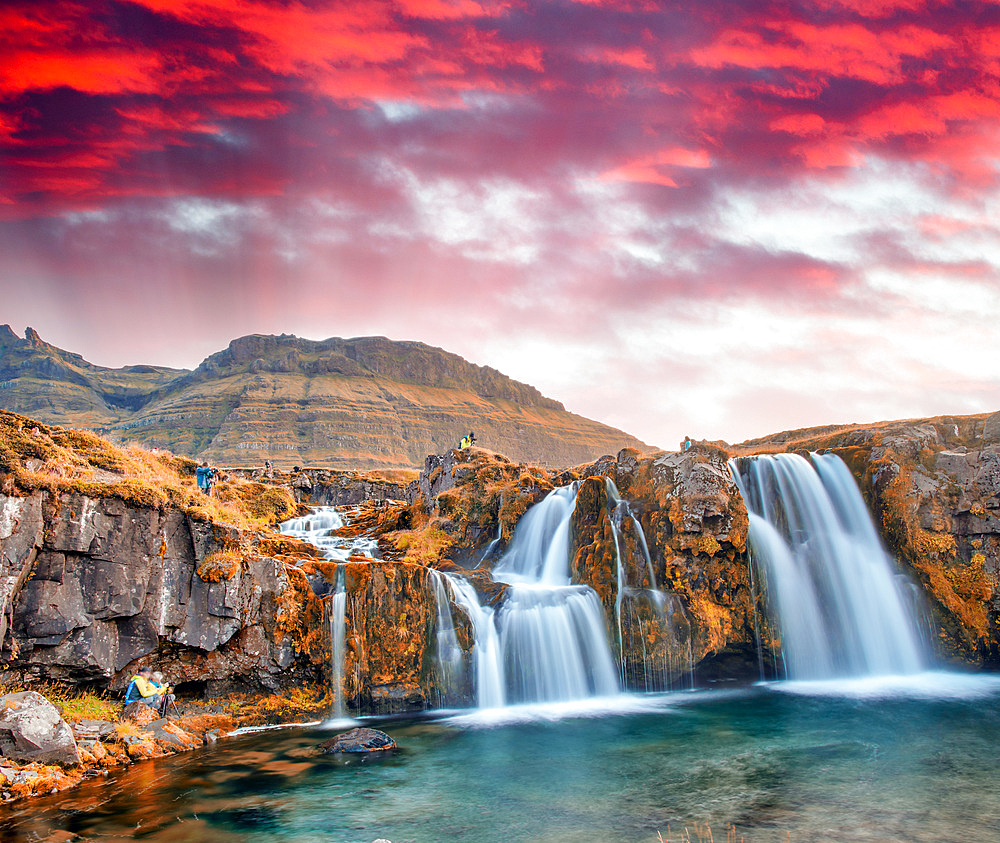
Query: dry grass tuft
pixel 35 456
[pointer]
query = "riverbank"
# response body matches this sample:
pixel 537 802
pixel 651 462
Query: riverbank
pixel 106 741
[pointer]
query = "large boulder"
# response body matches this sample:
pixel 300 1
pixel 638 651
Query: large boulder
pixel 31 730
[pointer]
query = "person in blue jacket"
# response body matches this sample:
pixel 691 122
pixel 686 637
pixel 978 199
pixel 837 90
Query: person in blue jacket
pixel 204 477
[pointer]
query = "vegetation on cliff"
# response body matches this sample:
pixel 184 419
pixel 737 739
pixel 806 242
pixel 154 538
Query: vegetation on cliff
pixel 35 456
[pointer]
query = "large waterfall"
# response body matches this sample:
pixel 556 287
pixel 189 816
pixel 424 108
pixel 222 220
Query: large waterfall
pixel 548 641
pixel 841 607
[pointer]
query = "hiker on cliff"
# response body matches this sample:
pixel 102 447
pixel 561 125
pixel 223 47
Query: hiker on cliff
pixel 686 444
pixel 203 476
pixel 464 443
pixel 141 688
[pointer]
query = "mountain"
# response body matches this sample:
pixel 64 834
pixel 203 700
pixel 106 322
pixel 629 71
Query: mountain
pixel 361 403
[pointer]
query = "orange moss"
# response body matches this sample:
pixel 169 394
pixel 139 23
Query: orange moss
pixel 299 616
pixel 964 590
pixel 714 622
pixel 220 566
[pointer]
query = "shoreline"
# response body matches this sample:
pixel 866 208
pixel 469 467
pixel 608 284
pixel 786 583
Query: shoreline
pixel 106 746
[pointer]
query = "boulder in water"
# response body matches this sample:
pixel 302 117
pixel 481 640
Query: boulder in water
pixel 358 740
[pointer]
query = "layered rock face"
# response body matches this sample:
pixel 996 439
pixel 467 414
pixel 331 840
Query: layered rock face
pixel 346 404
pixel 391 661
pixel 684 591
pixel 95 585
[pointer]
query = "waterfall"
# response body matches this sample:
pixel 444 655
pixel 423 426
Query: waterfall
pixel 653 631
pixel 338 622
pixel 837 598
pixel 552 633
pixel 487 659
pixel 315 528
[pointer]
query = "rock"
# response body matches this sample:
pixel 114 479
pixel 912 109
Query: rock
pixel 358 740
pixel 32 730
pixel 139 713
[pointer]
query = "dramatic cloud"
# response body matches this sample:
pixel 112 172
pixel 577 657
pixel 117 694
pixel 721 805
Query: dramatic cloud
pixel 717 219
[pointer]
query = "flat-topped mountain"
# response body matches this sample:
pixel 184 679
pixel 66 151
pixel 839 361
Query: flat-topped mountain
pixel 361 403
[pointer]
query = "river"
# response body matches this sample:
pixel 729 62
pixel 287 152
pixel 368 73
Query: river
pixel 911 759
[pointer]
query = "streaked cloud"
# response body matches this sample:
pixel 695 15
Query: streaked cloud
pixel 716 217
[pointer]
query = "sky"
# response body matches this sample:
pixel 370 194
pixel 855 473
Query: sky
pixel 710 218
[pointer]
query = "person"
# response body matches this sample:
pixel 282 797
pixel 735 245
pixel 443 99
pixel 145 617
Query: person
pixel 472 438
pixel 204 477
pixel 464 443
pixel 686 444
pixel 268 471
pixel 142 688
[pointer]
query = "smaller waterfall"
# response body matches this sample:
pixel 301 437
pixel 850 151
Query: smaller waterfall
pixel 315 528
pixel 487 659
pixel 653 630
pixel 839 603
pixel 552 633
pixel 338 623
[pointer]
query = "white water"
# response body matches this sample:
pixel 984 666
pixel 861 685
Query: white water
pixel 840 605
pixel 553 636
pixel 487 659
pixel 315 529
pixel 338 628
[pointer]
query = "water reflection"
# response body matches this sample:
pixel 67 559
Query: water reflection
pixel 774 764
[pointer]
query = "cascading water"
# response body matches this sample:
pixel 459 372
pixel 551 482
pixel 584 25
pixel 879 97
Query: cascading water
pixel 552 633
pixel 315 528
pixel 839 603
pixel 653 631
pixel 338 622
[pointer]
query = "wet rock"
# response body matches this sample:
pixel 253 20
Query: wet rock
pixel 32 730
pixel 92 585
pixel 139 713
pixel 358 740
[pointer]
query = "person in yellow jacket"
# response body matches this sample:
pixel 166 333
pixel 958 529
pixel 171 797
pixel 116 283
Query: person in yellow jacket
pixel 142 689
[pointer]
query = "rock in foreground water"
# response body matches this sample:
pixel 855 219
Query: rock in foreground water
pixel 358 740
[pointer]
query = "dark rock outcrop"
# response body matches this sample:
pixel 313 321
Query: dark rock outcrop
pixel 112 584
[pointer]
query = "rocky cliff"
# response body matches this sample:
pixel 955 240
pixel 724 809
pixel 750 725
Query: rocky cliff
pixel 111 558
pixel 348 404
pixel 101 572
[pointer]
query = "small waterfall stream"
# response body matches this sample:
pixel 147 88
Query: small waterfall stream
pixel 315 528
pixel 839 602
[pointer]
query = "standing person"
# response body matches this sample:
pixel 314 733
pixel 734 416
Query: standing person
pixel 204 477
pixel 686 444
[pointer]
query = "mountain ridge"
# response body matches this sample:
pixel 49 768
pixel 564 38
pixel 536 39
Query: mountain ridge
pixel 363 402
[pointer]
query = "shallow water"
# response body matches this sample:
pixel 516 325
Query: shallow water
pixel 908 759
